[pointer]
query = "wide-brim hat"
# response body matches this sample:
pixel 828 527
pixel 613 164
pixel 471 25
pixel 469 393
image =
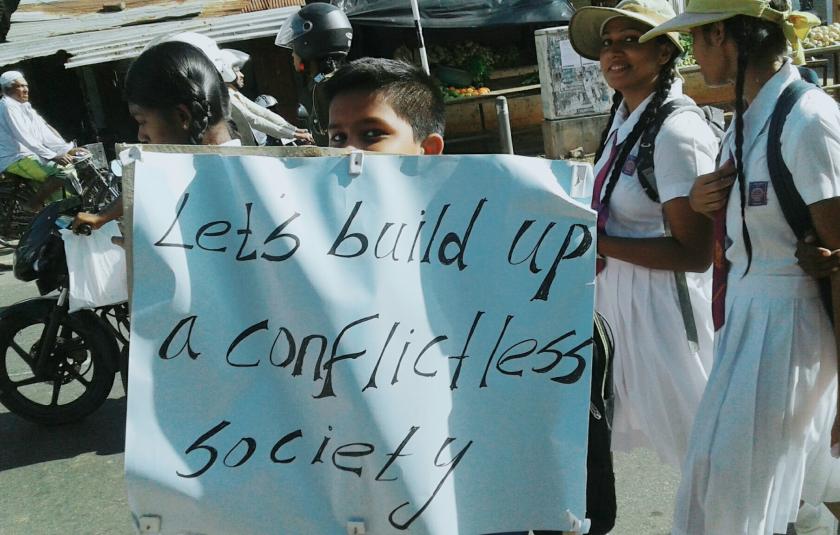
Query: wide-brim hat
pixel 586 26
pixel 794 24
pixel 685 22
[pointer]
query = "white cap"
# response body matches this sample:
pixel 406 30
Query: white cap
pixel 235 58
pixel 10 77
pixel 206 45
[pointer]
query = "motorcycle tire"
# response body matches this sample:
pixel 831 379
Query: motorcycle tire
pixel 85 363
pixel 15 217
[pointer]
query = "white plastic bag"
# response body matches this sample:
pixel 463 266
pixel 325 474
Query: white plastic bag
pixel 97 268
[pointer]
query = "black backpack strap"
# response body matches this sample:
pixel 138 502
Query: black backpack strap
pixel 809 75
pixel 793 206
pixel 644 159
pixel 646 174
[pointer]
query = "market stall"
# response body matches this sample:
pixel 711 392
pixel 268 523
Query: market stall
pixel 822 51
pixel 478 50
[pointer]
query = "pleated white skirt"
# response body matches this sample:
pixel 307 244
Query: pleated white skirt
pixel 763 416
pixel 659 378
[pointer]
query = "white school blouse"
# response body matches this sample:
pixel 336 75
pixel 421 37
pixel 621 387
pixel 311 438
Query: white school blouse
pixel 811 150
pixel 684 149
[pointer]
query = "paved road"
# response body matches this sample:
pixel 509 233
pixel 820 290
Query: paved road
pixel 61 480
pixel 69 479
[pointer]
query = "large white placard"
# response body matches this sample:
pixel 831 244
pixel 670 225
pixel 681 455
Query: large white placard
pixel 408 348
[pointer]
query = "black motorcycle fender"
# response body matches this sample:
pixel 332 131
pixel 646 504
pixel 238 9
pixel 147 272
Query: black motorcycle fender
pixel 39 308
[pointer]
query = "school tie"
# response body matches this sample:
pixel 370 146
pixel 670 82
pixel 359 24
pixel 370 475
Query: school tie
pixel 719 271
pixel 603 209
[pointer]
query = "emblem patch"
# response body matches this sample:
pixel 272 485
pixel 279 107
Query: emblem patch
pixel 629 165
pixel 758 194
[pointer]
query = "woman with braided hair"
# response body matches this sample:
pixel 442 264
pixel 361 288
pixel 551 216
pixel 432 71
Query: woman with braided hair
pixel 653 249
pixel 763 425
pixel 177 96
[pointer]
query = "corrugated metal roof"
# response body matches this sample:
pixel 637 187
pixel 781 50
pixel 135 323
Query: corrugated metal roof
pixel 108 40
pixel 45 18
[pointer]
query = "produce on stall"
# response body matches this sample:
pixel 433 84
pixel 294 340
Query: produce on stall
pixel 688 45
pixel 823 36
pixel 465 68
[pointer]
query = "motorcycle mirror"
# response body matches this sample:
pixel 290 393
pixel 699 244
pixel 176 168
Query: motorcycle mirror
pixel 116 168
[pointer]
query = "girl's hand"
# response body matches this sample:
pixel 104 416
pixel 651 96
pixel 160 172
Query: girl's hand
pixel 710 192
pixel 304 135
pixel 814 260
pixel 93 221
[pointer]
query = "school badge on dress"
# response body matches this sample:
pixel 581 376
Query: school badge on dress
pixel 758 194
pixel 629 165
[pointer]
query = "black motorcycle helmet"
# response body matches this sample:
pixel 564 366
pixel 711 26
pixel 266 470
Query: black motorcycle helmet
pixel 318 31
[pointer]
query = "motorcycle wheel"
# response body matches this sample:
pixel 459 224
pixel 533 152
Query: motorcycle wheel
pixel 80 376
pixel 14 216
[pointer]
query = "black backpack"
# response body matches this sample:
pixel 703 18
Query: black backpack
pixel 647 178
pixel 793 206
pixel 600 477
pixel 644 160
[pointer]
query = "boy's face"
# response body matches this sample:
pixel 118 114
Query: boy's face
pixel 365 121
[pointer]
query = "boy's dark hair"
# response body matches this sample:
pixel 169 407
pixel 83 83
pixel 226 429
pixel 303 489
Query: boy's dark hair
pixel 413 94
pixel 173 73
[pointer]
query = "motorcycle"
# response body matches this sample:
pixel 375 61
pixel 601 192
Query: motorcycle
pixel 16 193
pixel 57 367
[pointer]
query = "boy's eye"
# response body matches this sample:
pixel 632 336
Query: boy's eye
pixel 373 133
pixel 631 39
pixel 337 139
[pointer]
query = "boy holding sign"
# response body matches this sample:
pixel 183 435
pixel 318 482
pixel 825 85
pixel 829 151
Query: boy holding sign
pixel 384 105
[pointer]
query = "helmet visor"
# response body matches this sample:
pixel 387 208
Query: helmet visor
pixel 293 27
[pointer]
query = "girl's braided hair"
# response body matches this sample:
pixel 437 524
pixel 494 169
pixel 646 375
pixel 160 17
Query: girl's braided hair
pixel 757 41
pixel 666 77
pixel 174 73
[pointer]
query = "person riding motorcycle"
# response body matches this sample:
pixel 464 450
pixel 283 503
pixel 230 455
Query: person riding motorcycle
pixel 319 36
pixel 29 147
pixel 252 121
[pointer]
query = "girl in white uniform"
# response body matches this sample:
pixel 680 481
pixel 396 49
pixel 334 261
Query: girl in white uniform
pixel 659 373
pixel 772 391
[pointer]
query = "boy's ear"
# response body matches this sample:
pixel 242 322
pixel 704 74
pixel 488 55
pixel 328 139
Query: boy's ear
pixel 432 145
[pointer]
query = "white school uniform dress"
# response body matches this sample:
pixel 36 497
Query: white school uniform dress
pixel 772 389
pixel 659 377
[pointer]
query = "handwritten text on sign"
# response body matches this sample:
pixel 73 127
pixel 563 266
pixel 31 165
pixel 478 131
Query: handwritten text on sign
pixel 408 347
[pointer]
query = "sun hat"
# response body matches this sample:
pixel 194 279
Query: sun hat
pixel 795 24
pixel 10 77
pixel 587 25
